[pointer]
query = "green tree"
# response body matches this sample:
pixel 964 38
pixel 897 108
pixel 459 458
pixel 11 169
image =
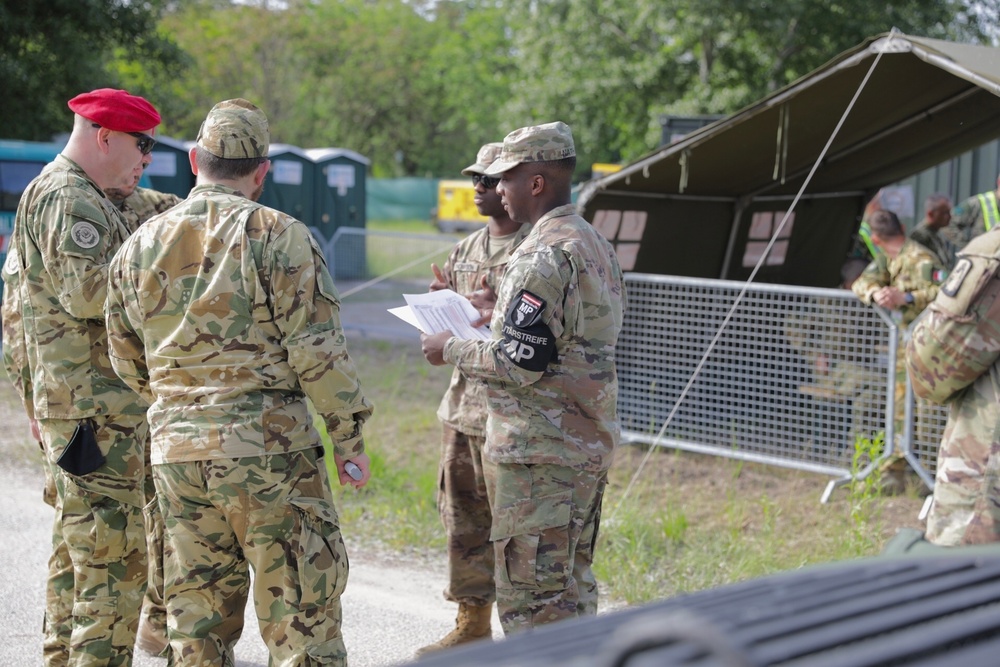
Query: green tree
pixel 374 84
pixel 53 50
pixel 610 68
pixel 237 50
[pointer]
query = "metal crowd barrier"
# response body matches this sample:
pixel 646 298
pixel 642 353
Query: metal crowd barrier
pixel 794 378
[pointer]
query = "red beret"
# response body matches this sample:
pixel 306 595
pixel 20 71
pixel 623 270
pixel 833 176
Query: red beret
pixel 116 110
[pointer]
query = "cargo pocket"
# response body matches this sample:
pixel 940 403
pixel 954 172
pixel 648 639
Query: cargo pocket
pixel 110 533
pixel 321 556
pixel 531 542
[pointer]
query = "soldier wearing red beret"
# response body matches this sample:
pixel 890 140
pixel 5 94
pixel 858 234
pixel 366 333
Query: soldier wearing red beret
pixel 92 425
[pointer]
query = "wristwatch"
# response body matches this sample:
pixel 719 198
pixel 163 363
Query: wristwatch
pixel 908 298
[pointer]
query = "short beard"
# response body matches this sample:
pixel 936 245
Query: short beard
pixel 255 195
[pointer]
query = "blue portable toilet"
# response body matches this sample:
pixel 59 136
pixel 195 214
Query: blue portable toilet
pixel 170 170
pixel 340 204
pixel 290 183
pixel 340 188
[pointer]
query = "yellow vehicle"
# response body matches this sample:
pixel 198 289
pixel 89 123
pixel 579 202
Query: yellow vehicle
pixel 599 169
pixel 456 210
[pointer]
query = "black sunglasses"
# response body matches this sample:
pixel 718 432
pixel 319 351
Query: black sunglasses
pixel 489 182
pixel 144 142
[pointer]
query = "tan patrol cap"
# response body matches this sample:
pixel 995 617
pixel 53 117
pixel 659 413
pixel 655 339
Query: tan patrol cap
pixel 536 143
pixel 484 158
pixel 235 129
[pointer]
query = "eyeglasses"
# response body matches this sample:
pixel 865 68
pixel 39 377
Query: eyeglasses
pixel 144 142
pixel 489 182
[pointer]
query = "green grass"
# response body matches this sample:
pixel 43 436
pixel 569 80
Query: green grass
pixel 690 521
pixel 398 507
pixel 407 226
pixel 406 258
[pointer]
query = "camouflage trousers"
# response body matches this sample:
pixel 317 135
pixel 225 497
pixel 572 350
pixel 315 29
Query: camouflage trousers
pixel 152 605
pixel 545 525
pixel 272 513
pixel 464 508
pixel 97 570
pixel 966 505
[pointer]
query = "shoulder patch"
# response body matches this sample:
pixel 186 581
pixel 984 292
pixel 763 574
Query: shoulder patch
pixel 85 234
pixel 957 277
pixel 13 263
pixel 527 340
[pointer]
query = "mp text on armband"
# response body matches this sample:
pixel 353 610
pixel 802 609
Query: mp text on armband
pixel 527 340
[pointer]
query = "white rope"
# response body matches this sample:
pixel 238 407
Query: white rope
pixel 390 274
pixel 753 274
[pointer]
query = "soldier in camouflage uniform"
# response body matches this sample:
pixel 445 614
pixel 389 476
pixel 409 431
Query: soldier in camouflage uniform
pixel 552 386
pixel 974 216
pixel 937 216
pixel 223 315
pixel 142 204
pixel 903 279
pixel 954 357
pixel 477 262
pixel 92 426
pixel 138 206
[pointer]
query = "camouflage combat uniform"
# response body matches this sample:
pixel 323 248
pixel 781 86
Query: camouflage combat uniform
pixel 915 270
pixel 221 313
pixel 143 204
pixel 954 358
pixel 462 500
pixel 137 208
pixel 844 379
pixel 974 216
pixel 553 422
pixel 936 243
pixel 65 233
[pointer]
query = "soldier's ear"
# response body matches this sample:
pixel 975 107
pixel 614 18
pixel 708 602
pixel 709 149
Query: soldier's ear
pixel 537 184
pixel 102 140
pixel 262 170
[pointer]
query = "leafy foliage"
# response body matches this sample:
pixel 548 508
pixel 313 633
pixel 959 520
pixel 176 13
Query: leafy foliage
pixel 51 51
pixel 417 85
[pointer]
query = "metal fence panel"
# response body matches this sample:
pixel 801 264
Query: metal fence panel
pixel 794 377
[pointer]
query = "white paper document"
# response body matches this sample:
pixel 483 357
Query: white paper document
pixel 443 310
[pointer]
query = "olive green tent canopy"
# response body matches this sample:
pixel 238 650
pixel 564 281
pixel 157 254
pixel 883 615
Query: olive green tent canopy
pixel 691 208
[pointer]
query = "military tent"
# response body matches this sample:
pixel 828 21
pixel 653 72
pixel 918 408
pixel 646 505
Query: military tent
pixel 706 205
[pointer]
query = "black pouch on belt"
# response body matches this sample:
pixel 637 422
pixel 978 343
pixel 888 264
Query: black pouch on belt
pixel 82 455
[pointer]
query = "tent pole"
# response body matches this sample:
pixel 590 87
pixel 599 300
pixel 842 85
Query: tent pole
pixel 734 230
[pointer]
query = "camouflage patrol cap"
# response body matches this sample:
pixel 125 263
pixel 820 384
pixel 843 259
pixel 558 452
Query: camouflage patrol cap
pixel 235 129
pixel 484 158
pixel 536 143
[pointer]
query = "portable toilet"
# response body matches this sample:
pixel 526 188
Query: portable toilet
pixel 340 204
pixel 170 170
pixel 289 185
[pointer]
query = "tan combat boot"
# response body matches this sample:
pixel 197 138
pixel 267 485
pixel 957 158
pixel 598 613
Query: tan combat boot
pixel 471 624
